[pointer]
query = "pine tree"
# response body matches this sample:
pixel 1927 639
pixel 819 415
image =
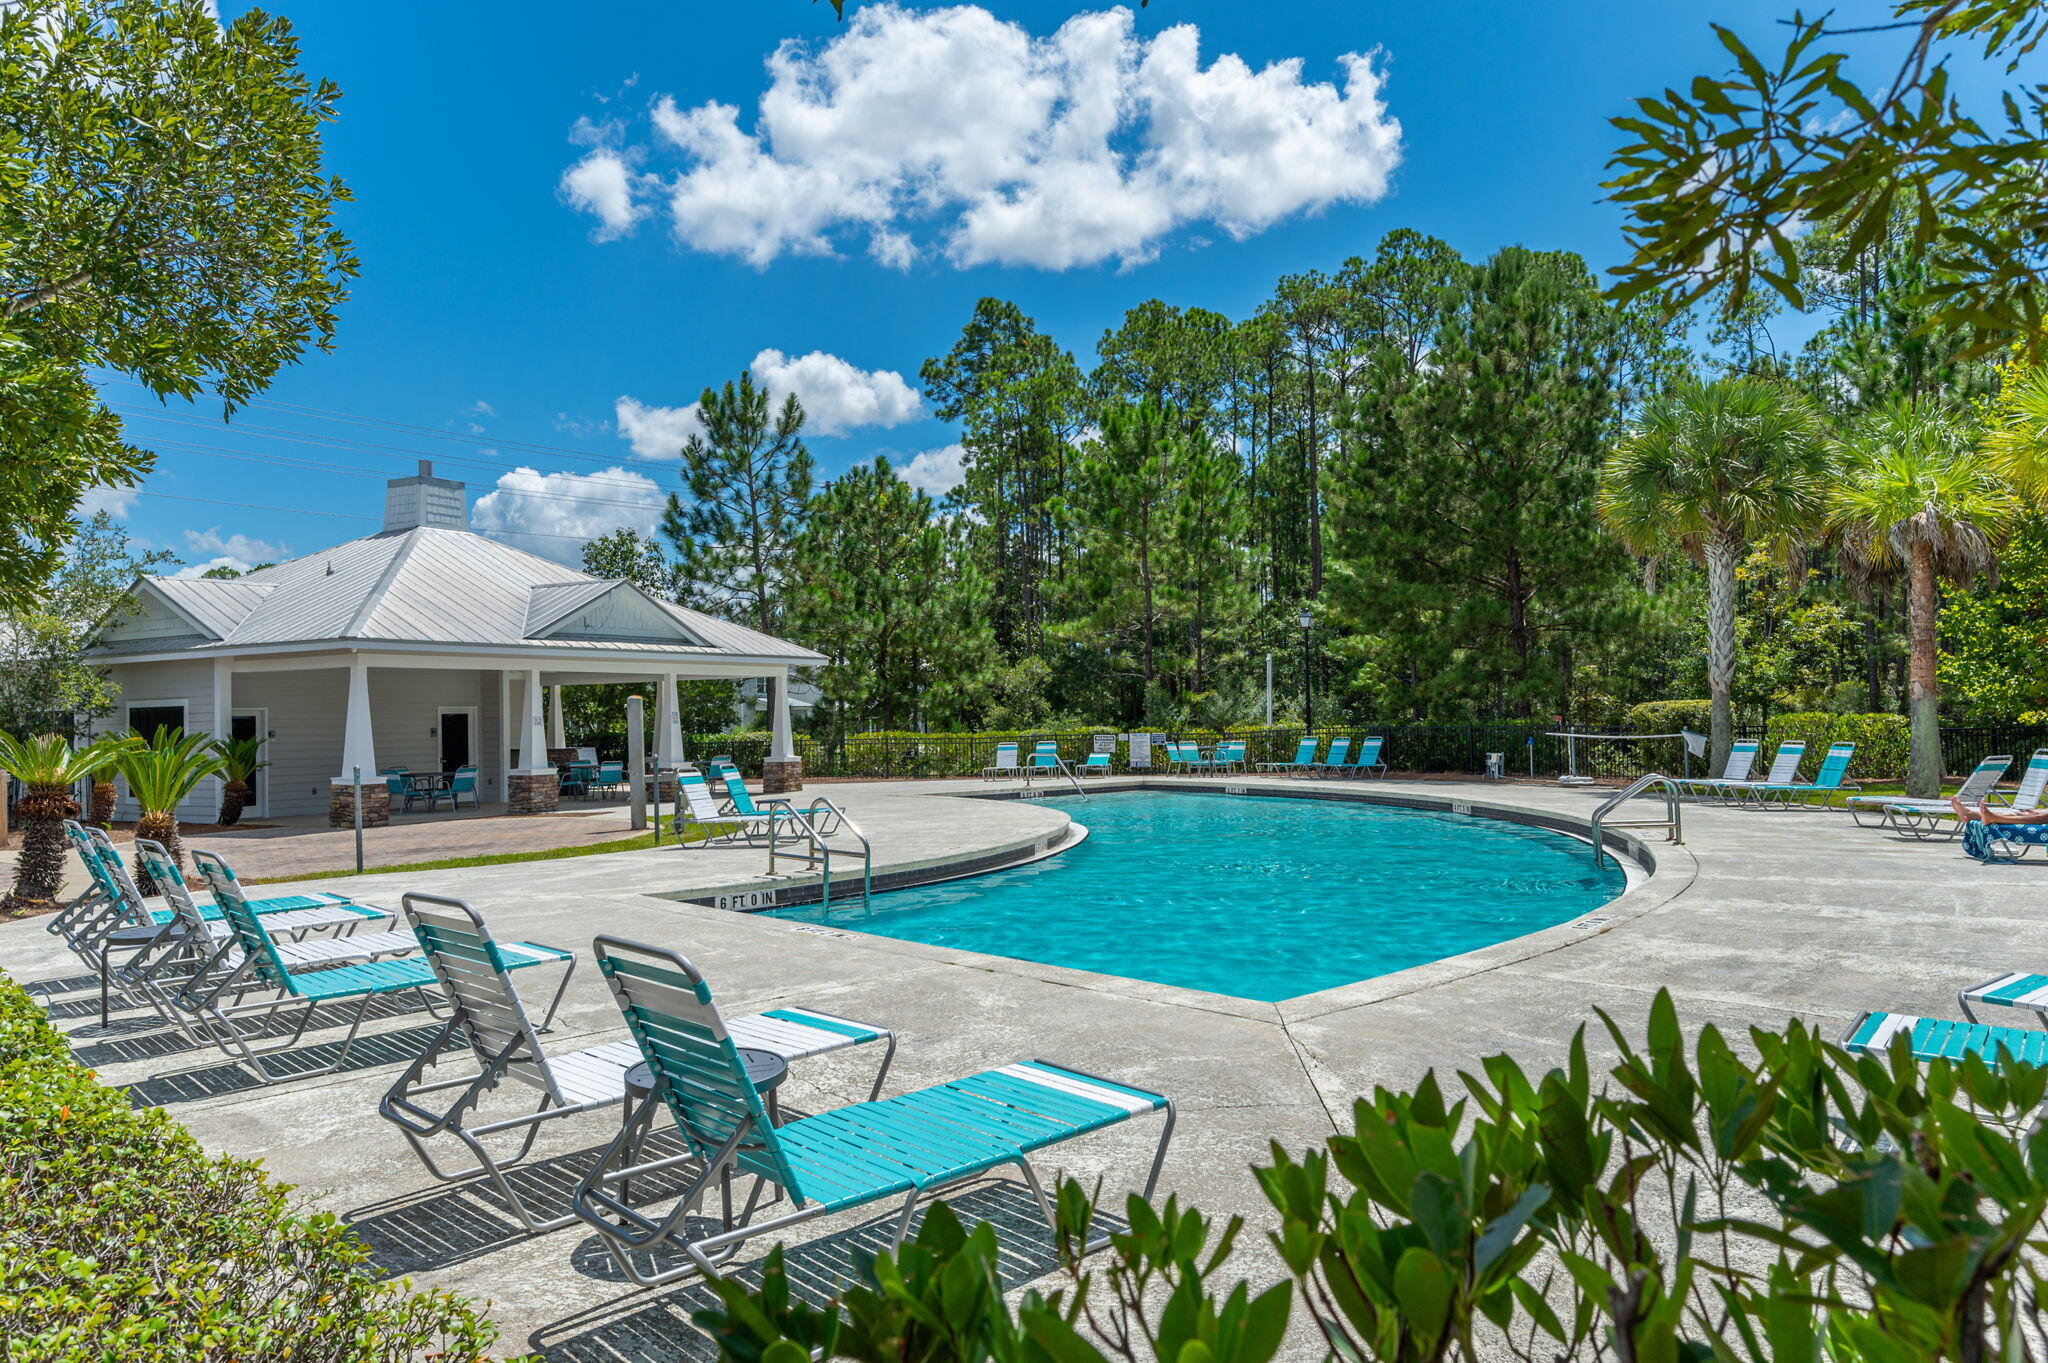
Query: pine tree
pixel 748 480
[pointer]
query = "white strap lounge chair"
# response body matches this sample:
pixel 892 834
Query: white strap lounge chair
pixel 904 1149
pixel 1005 763
pixel 1734 772
pixel 489 1020
pixel 1784 772
pixel 1927 819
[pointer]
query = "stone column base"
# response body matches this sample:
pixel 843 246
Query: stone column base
pixel 784 777
pixel 533 792
pixel 341 804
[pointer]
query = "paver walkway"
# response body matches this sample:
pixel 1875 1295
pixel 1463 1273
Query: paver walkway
pixel 1758 918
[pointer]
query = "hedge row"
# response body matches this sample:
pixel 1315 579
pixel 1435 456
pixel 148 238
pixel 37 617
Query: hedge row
pixel 120 1238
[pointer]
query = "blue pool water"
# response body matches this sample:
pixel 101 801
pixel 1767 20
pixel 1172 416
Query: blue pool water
pixel 1259 898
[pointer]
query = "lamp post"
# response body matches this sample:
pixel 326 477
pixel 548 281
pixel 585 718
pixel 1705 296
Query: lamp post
pixel 1308 691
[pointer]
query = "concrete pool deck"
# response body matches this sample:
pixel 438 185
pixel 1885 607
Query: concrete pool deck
pixel 1759 917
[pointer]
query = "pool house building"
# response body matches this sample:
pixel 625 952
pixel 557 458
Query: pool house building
pixel 425 645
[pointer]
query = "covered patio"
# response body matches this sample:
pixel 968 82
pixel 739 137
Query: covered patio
pixel 426 647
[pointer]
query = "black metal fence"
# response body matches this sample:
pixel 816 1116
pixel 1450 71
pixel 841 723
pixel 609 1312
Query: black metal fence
pixel 1527 748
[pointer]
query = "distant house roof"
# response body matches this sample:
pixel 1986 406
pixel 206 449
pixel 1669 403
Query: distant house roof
pixel 425 584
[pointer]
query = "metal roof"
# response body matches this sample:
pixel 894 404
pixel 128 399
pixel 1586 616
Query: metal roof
pixel 427 585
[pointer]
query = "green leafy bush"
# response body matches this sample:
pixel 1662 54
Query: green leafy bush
pixel 1669 716
pixel 120 1238
pixel 1790 1202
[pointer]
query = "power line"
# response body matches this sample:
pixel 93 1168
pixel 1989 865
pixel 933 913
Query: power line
pixel 336 515
pixel 346 445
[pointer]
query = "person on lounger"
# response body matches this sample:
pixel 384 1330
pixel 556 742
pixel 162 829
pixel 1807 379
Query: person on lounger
pixel 2017 829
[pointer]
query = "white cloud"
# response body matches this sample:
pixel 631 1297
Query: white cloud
pixel 936 472
pixel 115 501
pixel 837 396
pixel 602 184
pixel 999 147
pixel 481 408
pixel 656 432
pixel 239 552
pixel 552 514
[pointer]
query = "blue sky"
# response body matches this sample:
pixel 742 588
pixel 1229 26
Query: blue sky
pixel 909 167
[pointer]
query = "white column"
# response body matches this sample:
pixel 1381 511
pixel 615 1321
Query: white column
pixel 779 747
pixel 504 733
pixel 533 739
pixel 358 745
pixel 223 712
pixel 558 725
pixel 668 722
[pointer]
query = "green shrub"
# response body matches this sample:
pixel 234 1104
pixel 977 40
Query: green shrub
pixel 1813 727
pixel 120 1238
pixel 1669 716
pixel 1881 742
pixel 1784 1202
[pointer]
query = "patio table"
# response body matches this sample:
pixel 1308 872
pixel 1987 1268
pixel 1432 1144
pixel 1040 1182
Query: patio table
pixel 578 775
pixel 431 784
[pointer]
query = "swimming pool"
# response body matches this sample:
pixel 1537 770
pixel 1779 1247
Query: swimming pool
pixel 1256 897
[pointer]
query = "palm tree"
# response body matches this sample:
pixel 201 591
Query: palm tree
pixel 160 775
pixel 241 759
pixel 49 768
pixel 1916 491
pixel 1717 468
pixel 100 813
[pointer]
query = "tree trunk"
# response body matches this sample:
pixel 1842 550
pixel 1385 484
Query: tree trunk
pixel 161 825
pixel 234 798
pixel 102 804
pixel 39 871
pixel 1923 769
pixel 1721 553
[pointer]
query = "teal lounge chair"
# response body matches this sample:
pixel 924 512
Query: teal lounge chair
pixel 1940 1039
pixel 1096 764
pixel 214 1001
pixel 1830 780
pixel 2014 989
pixel 1368 759
pixel 488 1017
pixel 906 1149
pixel 822 815
pixel 1046 760
pixel 1734 772
pixel 1304 757
pixel 1333 764
pixel 1931 818
pixel 1228 756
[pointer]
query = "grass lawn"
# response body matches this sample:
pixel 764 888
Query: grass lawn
pixel 692 832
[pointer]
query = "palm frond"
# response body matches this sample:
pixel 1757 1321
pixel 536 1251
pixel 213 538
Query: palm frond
pixel 163 772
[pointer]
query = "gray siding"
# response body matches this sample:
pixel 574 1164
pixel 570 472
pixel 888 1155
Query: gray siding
pixel 164 683
pixel 307 711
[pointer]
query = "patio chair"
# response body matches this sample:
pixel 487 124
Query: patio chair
pixel 1334 762
pixel 821 815
pixel 489 1019
pixel 214 1001
pixel 1734 772
pixel 395 782
pixel 910 1148
pixel 1184 757
pixel 1784 772
pixel 1046 758
pixel 464 783
pixel 1368 758
pixel 1304 757
pixel 1005 763
pixel 1096 764
pixel 1940 1039
pixel 611 777
pixel 1228 756
pixel 1927 819
pixel 1829 781
pixel 192 944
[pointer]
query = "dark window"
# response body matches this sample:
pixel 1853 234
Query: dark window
pixel 147 719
